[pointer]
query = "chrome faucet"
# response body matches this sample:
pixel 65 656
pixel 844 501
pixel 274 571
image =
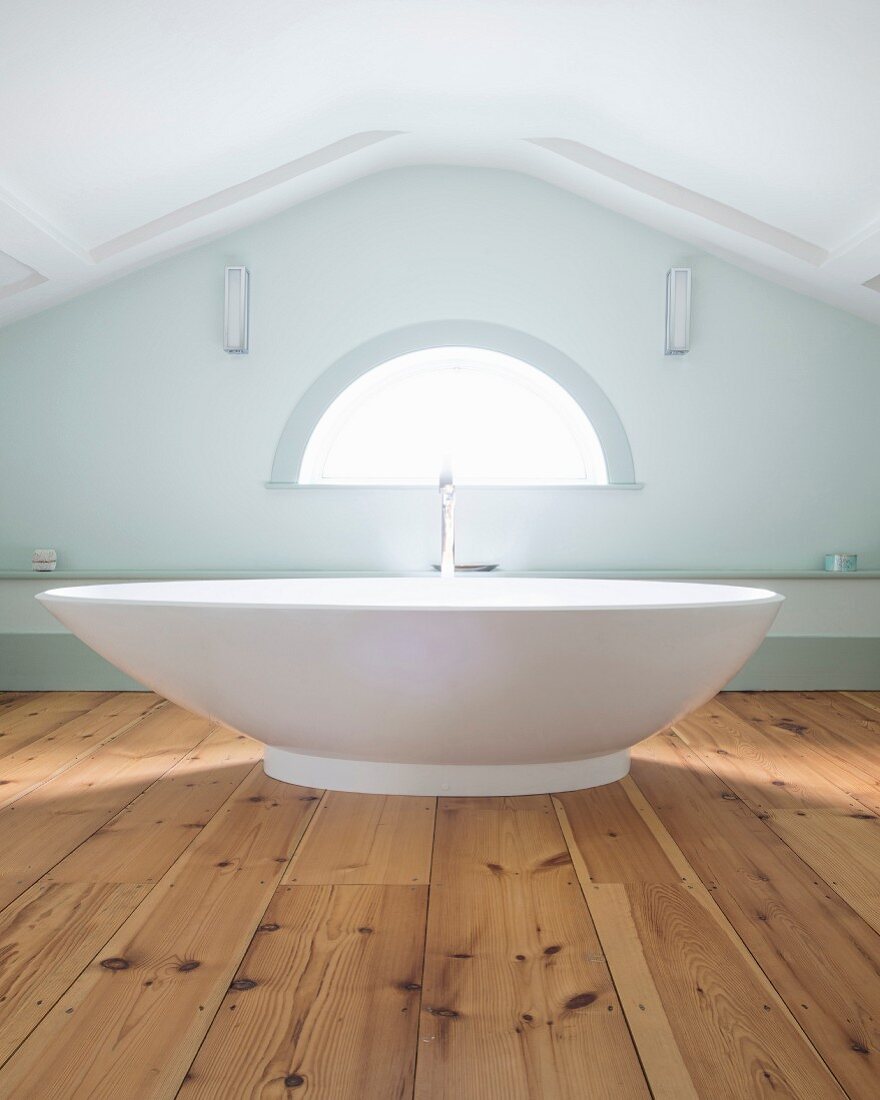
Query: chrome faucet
pixel 447 524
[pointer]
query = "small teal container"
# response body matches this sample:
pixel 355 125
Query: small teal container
pixel 841 563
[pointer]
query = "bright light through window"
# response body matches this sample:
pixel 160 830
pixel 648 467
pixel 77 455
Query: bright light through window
pixel 499 420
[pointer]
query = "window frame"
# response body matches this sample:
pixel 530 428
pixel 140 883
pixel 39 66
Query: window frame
pixel 559 367
pixel 381 380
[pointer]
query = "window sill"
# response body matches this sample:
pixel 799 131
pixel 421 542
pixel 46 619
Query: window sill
pixel 273 574
pixel 458 488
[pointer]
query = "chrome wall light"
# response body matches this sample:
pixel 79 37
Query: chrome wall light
pixel 678 311
pixel 235 311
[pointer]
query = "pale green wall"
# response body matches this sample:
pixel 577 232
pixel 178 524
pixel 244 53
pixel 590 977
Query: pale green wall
pixel 129 440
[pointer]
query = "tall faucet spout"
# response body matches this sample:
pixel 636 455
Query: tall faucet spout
pixel 447 526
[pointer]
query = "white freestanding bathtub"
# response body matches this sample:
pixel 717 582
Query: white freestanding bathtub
pixel 457 686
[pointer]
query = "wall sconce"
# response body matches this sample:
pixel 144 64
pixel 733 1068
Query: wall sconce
pixel 235 311
pixel 678 311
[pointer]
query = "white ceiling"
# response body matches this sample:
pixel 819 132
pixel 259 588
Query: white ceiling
pixel 129 130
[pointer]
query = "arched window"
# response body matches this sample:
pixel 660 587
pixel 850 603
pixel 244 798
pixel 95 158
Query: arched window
pixel 504 406
pixel 495 418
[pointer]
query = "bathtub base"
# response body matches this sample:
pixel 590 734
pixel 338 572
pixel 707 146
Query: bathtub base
pixel 372 777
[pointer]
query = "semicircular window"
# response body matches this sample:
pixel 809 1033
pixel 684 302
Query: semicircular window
pixel 494 419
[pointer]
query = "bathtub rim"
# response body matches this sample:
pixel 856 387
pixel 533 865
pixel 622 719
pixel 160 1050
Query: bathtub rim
pixel 104 594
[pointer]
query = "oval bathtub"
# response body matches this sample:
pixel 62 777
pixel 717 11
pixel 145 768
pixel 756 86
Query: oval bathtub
pixel 466 686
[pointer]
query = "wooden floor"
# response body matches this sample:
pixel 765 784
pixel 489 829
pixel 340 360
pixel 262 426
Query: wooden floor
pixel 174 923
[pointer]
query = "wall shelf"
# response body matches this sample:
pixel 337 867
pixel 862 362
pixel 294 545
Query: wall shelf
pixel 459 488
pixel 603 574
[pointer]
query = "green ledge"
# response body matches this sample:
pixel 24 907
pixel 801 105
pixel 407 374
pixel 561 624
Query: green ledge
pixel 60 662
pixel 602 574
pixel 466 489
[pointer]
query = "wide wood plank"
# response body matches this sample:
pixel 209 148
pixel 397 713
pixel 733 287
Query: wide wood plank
pixel 44 826
pixel 326 1000
pixel 870 699
pixel 734 1042
pixel 663 1060
pixel 843 849
pixel 31 703
pixel 11 700
pixel 131 1025
pixel 836 742
pixel 366 838
pixel 821 957
pixel 613 841
pixel 22 725
pixel 40 760
pixel 668 1036
pixel 852 715
pixel 145 838
pixel 518 1002
pixel 851 727
pixel 762 767
pixel 47 937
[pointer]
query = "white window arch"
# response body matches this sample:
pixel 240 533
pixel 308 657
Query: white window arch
pixel 532 358
pixel 496 419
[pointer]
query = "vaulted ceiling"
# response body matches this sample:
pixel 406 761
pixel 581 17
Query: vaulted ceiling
pixel 129 130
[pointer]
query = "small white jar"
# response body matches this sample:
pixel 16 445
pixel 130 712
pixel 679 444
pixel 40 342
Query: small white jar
pixel 44 561
pixel 841 563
